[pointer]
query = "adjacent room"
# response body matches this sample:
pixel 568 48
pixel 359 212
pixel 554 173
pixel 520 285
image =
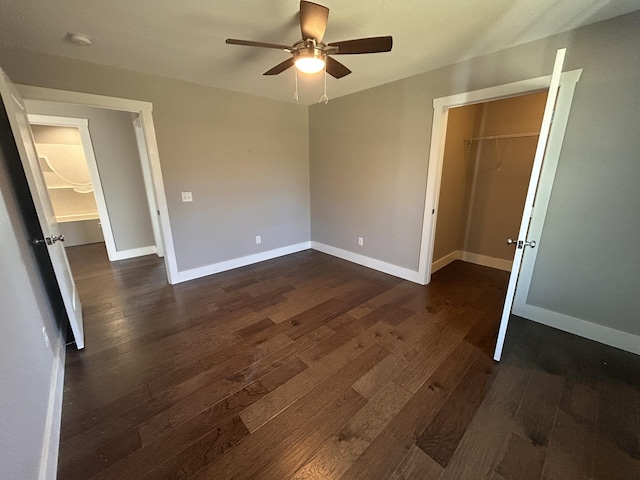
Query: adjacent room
pixel 289 240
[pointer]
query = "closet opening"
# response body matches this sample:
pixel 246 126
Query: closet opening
pixel 489 149
pixel 488 157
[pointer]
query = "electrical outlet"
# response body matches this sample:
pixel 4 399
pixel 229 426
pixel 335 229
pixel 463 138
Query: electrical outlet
pixel 187 197
pixel 360 241
pixel 258 239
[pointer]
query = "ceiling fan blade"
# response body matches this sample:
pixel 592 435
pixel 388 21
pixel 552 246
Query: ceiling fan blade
pixel 249 43
pixel 336 69
pixel 281 67
pixel 363 45
pixel 313 20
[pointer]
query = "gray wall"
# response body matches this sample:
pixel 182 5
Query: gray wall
pixel 369 153
pixel 27 361
pixel 457 174
pixel 245 158
pixel 116 152
pixel 81 232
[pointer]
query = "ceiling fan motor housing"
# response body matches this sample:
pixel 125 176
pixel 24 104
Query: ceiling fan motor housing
pixel 309 49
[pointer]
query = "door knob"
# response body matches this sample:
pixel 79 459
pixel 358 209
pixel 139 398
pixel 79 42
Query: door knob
pixel 521 244
pixel 49 240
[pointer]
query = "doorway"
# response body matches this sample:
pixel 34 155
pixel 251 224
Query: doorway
pixel 121 212
pixel 140 121
pixel 67 161
pixel 488 156
pixel 561 87
pixel 487 163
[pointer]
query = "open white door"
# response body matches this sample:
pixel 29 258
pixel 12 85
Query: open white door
pixel 523 241
pixel 52 240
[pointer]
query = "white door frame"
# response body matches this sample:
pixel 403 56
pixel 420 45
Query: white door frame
pixel 144 110
pixel 441 108
pixel 141 143
pixel 82 124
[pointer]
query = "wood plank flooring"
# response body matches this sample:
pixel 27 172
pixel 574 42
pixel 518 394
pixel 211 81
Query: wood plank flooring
pixel 309 367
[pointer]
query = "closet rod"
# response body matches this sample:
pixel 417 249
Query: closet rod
pixel 509 135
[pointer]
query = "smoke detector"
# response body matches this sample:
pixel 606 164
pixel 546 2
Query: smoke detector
pixel 79 39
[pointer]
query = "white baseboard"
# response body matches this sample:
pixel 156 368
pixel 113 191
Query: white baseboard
pixel 446 260
pixel 395 270
pixel 199 272
pixel 134 252
pixel 51 438
pixel 599 333
pixel 486 261
pixel 478 259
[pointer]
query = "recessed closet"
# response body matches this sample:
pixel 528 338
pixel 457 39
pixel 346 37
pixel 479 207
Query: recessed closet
pixel 489 151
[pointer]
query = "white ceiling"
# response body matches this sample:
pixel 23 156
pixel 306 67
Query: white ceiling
pixel 185 39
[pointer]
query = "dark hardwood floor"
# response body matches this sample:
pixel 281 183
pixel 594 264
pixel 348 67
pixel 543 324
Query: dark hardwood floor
pixel 309 367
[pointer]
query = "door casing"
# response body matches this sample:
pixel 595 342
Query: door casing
pixel 144 111
pixel 441 108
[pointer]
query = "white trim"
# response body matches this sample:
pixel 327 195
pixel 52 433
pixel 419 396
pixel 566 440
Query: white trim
pixel 134 252
pixel 395 270
pixel 599 333
pixel 487 261
pixel 186 275
pixel 441 108
pixel 79 98
pixel 141 143
pixel 77 217
pixel 144 109
pixel 446 260
pixel 51 437
pixel 158 183
pixel 484 260
pixel 82 124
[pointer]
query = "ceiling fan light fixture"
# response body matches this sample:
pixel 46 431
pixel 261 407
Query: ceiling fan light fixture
pixel 309 64
pixel 309 60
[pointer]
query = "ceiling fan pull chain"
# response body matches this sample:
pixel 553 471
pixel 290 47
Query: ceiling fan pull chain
pixel 295 94
pixel 324 97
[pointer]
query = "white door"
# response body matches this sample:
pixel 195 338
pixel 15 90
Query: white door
pixel 523 242
pixel 52 240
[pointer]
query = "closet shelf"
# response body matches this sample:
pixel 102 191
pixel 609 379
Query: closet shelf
pixel 77 217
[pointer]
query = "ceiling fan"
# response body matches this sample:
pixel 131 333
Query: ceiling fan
pixel 310 55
